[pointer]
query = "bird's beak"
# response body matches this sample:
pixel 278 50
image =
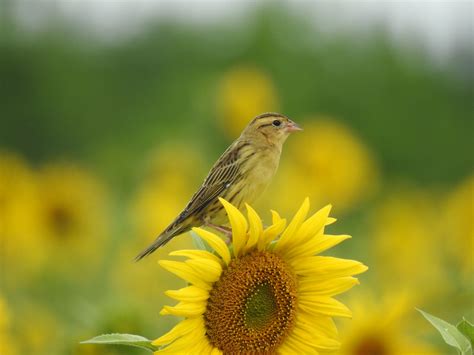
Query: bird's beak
pixel 293 127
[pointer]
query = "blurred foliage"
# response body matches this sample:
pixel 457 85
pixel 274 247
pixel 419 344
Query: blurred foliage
pixel 102 143
pixel 67 94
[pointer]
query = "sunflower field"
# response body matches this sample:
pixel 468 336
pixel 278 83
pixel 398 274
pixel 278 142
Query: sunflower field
pixel 103 142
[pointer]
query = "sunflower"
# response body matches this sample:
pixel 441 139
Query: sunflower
pixel 7 345
pixel 44 339
pixel 340 167
pixel 73 213
pixel 17 196
pixel 405 222
pixel 245 92
pixel 21 251
pixel 269 292
pixel 386 325
pixel 167 183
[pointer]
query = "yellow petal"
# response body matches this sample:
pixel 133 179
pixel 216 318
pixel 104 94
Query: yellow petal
pixel 215 243
pixel 331 287
pixel 318 267
pixel 312 225
pixel 196 254
pixel 179 330
pixel 203 347
pixel 322 329
pixel 275 217
pixel 216 351
pixel 186 343
pixel 328 241
pixel 270 233
pixel 238 224
pixel 255 228
pixel 185 309
pixel 302 336
pixel 294 225
pixel 322 324
pixel 299 347
pixel 185 272
pixel 307 336
pixel 286 349
pixel 317 244
pixel 197 345
pixel 189 294
pixel 330 221
pixel 325 306
pixel 183 346
pixel 207 270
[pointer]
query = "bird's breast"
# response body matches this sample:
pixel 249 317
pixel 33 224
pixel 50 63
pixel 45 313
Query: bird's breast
pixel 257 170
pixel 260 169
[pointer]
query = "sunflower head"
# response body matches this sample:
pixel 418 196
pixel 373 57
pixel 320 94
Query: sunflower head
pixel 72 203
pixel 244 92
pixel 7 345
pixel 384 324
pixel 255 300
pixel 338 163
pixel 269 291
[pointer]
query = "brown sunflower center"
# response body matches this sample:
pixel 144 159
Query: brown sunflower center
pixel 62 219
pixel 371 345
pixel 251 308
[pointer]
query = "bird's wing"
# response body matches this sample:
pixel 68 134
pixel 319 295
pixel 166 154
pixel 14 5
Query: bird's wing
pixel 222 175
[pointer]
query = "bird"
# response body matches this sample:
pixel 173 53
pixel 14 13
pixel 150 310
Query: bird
pixel 239 176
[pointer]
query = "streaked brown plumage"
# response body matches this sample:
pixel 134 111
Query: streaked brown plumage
pixel 240 175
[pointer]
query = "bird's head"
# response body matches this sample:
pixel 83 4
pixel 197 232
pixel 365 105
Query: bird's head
pixel 270 128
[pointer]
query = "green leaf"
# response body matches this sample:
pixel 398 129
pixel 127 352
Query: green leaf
pixel 467 329
pixel 123 339
pixel 451 335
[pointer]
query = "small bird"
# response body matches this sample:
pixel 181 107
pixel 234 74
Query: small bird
pixel 239 176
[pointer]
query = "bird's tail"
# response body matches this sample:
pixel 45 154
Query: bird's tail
pixel 162 239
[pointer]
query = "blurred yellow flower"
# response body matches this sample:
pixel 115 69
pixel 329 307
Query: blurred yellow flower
pixel 387 326
pixel 20 247
pixel 41 331
pixel 73 213
pixel 7 345
pixel 405 233
pixel 269 292
pixel 244 93
pixel 328 162
pixel 458 226
pixel 168 184
pixel 17 192
pixel 140 284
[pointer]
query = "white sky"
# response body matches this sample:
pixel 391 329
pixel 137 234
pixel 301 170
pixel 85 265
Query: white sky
pixel 440 24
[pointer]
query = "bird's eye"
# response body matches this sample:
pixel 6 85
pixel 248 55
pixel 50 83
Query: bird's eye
pixel 276 123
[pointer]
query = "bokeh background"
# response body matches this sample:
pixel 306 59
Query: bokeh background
pixel 111 114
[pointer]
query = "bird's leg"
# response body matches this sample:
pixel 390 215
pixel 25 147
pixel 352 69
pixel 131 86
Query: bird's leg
pixel 222 229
